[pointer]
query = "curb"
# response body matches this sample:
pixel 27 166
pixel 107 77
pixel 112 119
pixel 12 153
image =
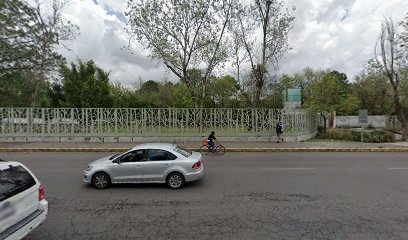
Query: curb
pixel 227 149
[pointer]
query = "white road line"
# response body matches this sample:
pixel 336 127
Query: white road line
pixel 283 169
pixel 398 168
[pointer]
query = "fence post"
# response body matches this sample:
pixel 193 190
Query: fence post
pixel 115 113
pixel 42 122
pixel 30 121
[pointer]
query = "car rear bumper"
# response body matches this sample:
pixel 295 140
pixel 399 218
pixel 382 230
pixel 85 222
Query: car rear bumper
pixel 194 176
pixel 23 227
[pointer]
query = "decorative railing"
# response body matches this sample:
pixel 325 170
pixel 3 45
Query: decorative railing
pixel 121 122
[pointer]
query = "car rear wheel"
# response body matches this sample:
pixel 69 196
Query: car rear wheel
pixel 175 180
pixel 101 180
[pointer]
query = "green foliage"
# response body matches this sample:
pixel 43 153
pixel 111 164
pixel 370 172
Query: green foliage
pixel 149 87
pixel 221 92
pixel 404 83
pixel 14 91
pixel 28 36
pixel 126 98
pixel 23 89
pixel 181 96
pixel 330 94
pixel 374 92
pixel 348 105
pixel 85 85
pixel 149 92
pixel 165 94
pixel 376 136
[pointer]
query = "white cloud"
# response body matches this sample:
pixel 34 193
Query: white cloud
pixel 336 34
pixel 102 38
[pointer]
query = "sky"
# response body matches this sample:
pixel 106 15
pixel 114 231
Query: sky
pixel 334 34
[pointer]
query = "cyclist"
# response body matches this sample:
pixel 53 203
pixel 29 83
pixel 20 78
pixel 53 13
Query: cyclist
pixel 211 141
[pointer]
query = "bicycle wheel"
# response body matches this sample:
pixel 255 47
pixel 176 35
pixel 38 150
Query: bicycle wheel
pixel 204 149
pixel 220 150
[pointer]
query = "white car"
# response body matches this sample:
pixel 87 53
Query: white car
pixel 22 203
pixel 147 163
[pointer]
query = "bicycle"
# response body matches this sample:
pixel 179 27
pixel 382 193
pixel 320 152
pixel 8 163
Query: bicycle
pixel 219 149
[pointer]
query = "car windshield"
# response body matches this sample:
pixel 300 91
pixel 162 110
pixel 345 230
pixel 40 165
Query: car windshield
pixel 13 181
pixel 183 151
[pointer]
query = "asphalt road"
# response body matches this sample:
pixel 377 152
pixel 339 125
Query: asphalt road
pixel 242 196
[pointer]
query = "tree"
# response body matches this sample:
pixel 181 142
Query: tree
pixel 329 95
pixel 29 35
pixel 391 53
pixel 181 96
pixel 17 88
pixel 374 92
pixel 303 79
pixel 183 34
pixel 126 98
pixel 263 56
pixel 222 91
pixel 14 91
pixel 85 86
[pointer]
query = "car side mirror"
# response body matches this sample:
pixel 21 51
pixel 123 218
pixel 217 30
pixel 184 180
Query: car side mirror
pixel 116 161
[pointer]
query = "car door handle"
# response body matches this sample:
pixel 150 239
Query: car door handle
pixel 166 164
pixel 138 165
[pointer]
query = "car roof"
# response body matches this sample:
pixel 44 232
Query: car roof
pixel 167 146
pixel 4 163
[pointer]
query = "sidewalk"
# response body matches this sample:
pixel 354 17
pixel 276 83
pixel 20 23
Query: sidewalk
pixel 324 146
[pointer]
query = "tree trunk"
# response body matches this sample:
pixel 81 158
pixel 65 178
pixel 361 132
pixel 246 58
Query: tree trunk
pixel 324 123
pixel 259 75
pixel 38 83
pixel 404 129
pixel 402 118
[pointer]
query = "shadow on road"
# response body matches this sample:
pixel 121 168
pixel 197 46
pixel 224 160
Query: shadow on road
pixel 195 184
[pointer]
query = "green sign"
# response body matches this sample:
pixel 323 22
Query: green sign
pixel 292 95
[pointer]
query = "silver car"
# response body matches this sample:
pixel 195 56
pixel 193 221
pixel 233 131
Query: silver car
pixel 147 163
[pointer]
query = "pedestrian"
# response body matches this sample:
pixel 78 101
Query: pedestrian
pixel 279 132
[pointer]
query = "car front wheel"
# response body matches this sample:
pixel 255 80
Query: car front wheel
pixel 101 180
pixel 175 180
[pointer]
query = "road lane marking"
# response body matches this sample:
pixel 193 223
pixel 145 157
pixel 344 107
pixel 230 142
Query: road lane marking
pixel 398 168
pixel 283 169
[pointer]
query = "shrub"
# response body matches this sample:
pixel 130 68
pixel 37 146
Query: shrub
pixel 393 130
pixel 375 136
pixel 320 133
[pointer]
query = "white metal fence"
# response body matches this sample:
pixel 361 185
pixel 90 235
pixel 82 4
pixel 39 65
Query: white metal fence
pixel 171 122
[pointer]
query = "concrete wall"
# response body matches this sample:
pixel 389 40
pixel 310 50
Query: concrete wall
pixel 352 121
pixel 287 138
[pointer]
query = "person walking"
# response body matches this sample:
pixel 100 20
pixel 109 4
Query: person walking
pixel 279 132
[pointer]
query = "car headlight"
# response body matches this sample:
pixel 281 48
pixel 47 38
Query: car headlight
pixel 89 168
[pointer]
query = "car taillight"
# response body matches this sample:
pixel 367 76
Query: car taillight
pixel 197 165
pixel 41 193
